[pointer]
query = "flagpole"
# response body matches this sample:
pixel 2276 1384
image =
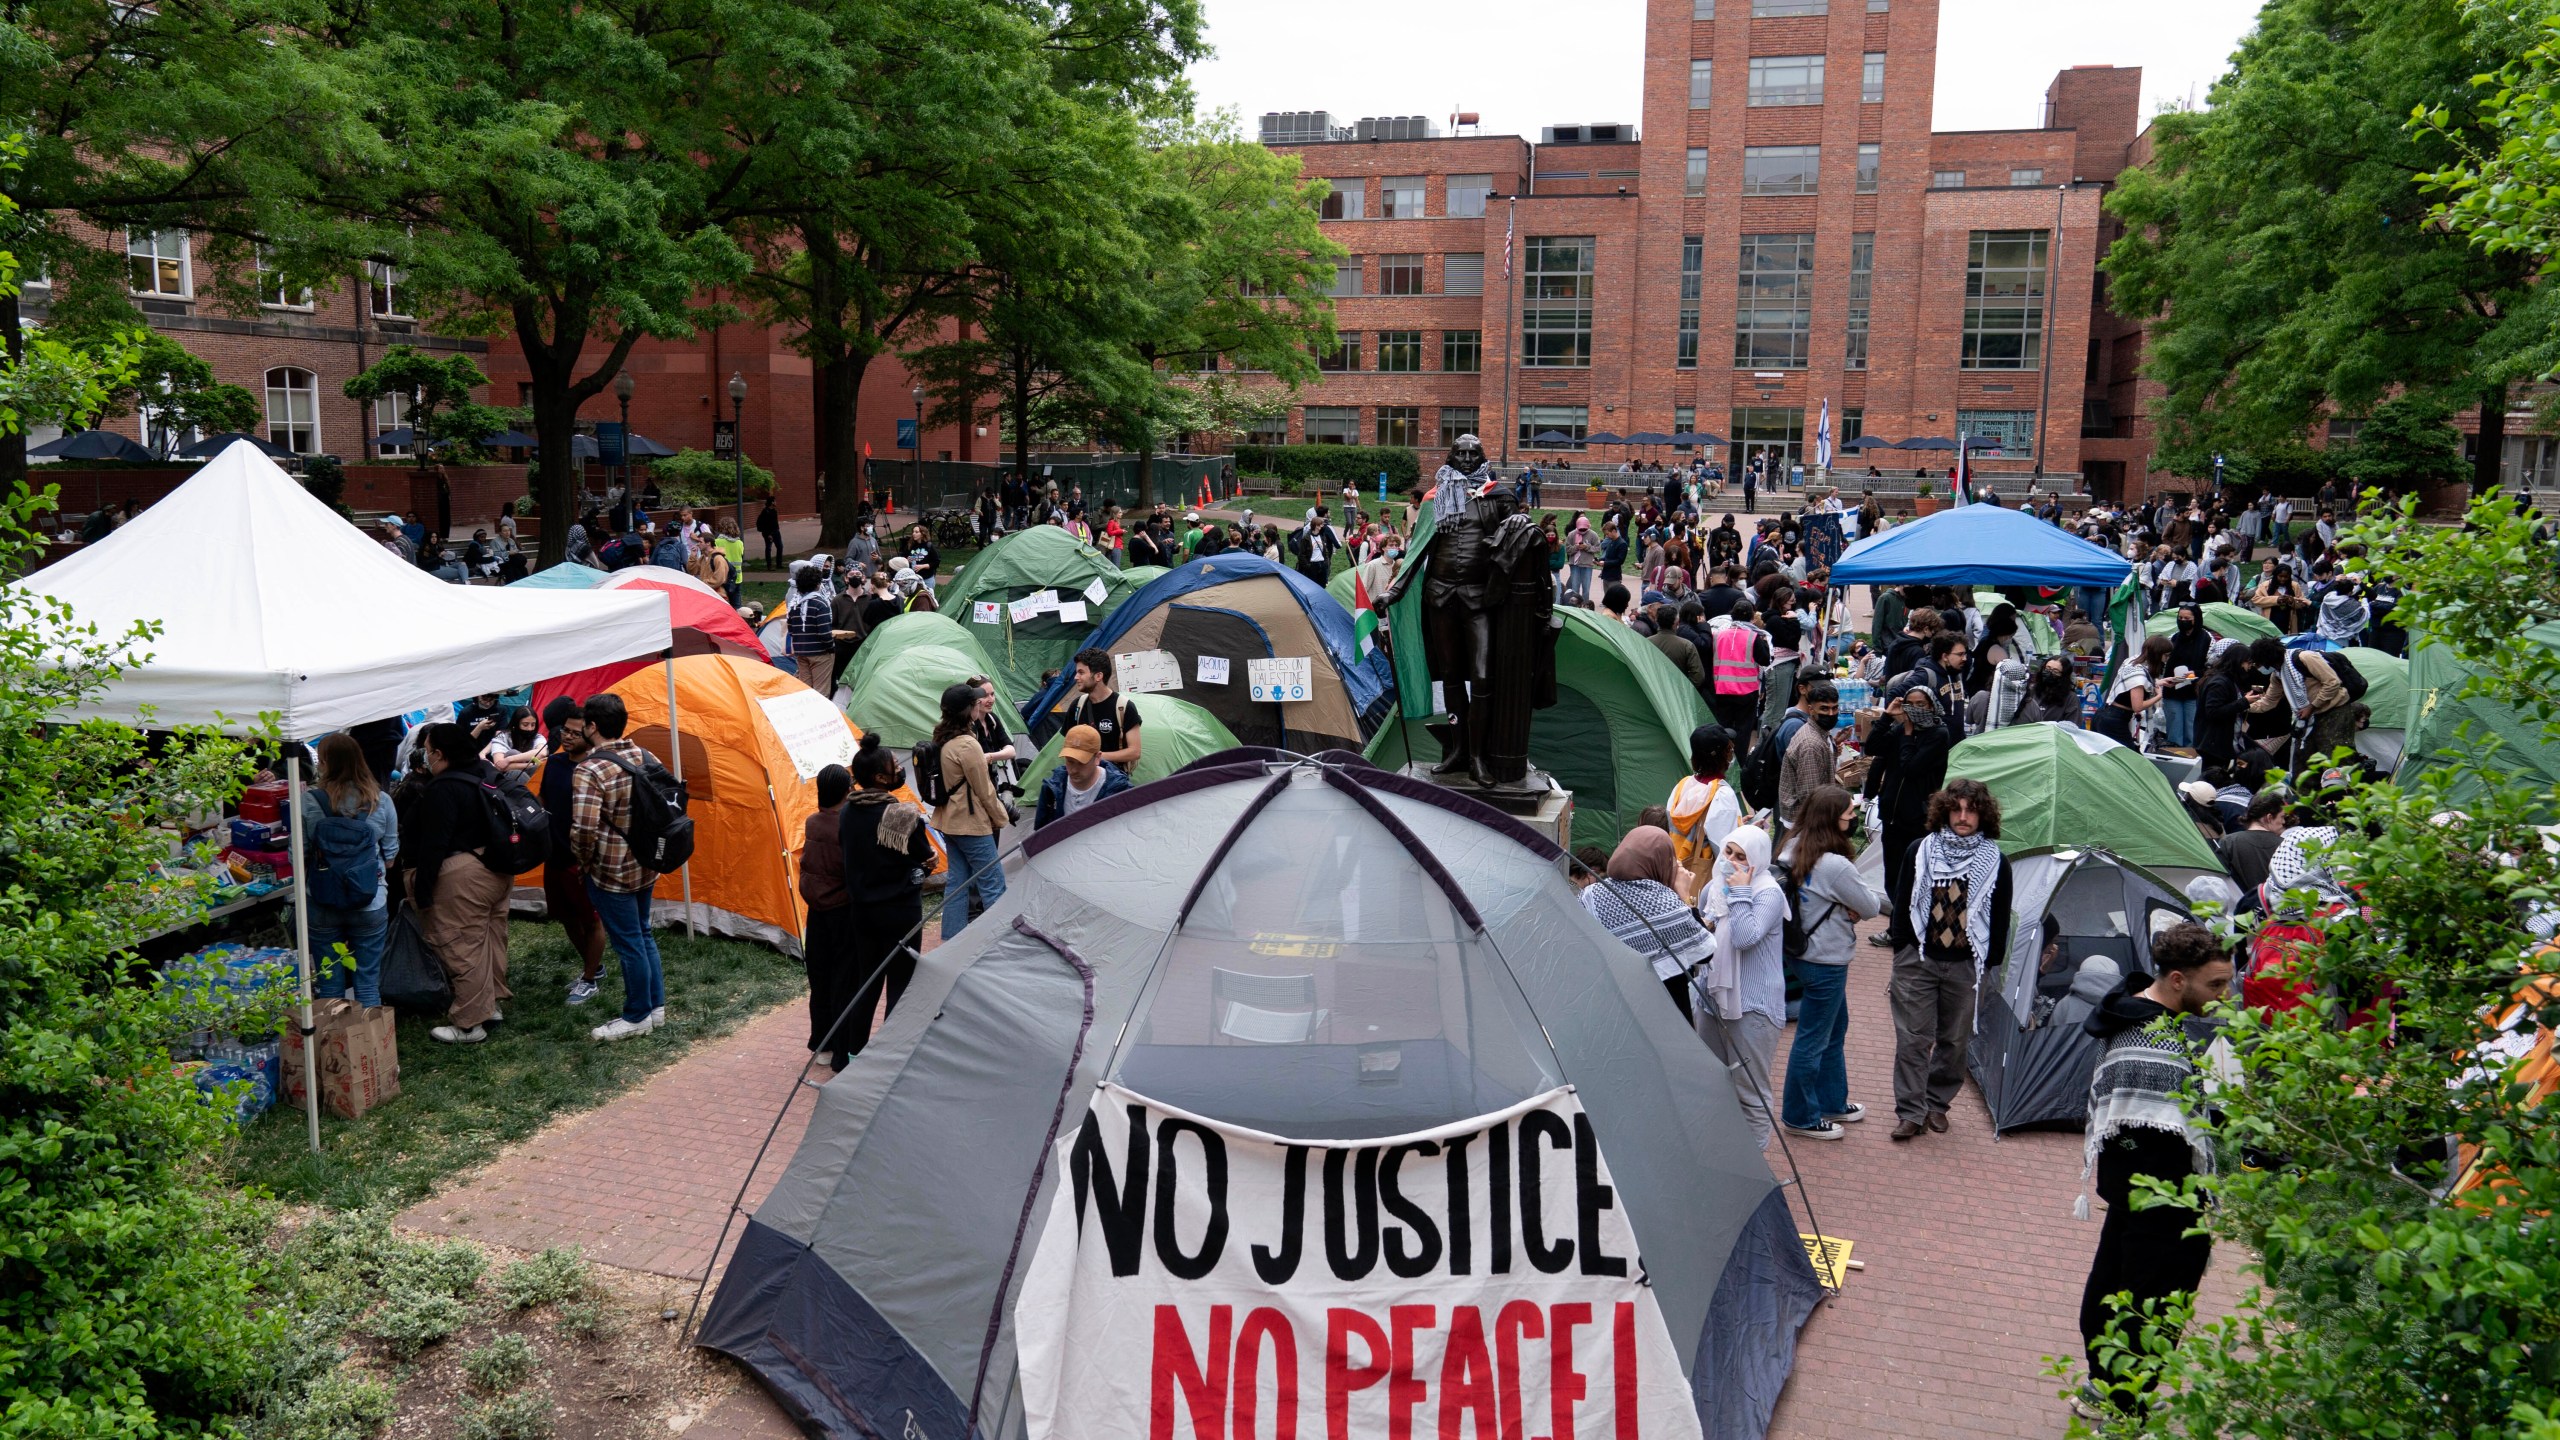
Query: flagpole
pixel 1510 326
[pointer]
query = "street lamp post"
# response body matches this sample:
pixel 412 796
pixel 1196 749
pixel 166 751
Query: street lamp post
pixel 623 385
pixel 918 395
pixel 738 442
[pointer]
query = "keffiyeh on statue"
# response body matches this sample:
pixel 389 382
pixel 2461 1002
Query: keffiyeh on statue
pixel 1458 480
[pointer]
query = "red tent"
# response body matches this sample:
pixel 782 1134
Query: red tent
pixel 704 623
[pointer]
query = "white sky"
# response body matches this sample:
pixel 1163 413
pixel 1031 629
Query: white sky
pixel 1520 66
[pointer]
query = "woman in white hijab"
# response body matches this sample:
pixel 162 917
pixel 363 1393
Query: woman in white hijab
pixel 1746 985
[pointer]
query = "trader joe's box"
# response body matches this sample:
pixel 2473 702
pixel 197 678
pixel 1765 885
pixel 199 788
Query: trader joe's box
pixel 359 1056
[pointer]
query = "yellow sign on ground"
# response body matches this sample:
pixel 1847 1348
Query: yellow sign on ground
pixel 1830 1257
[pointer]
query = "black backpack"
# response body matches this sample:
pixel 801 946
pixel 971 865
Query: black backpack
pixel 1759 783
pixel 927 759
pixel 2348 675
pixel 660 834
pixel 519 826
pixel 1795 934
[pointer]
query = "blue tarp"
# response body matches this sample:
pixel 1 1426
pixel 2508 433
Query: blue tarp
pixel 1979 545
pixel 567 575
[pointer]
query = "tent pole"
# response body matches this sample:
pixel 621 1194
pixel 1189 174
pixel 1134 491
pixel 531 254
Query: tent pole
pixel 302 938
pixel 675 754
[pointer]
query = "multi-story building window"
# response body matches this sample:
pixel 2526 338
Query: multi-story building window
pixel 1781 169
pixel 1781 9
pixel 1457 420
pixel 1467 194
pixel 1271 430
pixel 293 409
pixel 1862 281
pixel 391 412
pixel 1400 198
pixel 2011 432
pixel 1462 351
pixel 1684 419
pixel 1345 354
pixel 1702 83
pixel 1870 168
pixel 1786 80
pixel 1693 275
pixel 1853 423
pixel 1399 274
pixel 1400 425
pixel 1345 201
pixel 1400 351
pixel 1775 432
pixel 273 291
pixel 1333 425
pixel 1702 10
pixel 1346 277
pixel 1871 84
pixel 1555 313
pixel 1462 274
pixel 2026 179
pixel 157 263
pixel 1878 7
pixel 1570 421
pixel 1947 179
pixel 1697 182
pixel 1773 315
pixel 390 290
pixel 2004 300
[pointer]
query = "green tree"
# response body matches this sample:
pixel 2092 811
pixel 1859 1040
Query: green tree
pixel 2405 444
pixel 180 392
pixel 2280 244
pixel 441 412
pixel 2503 188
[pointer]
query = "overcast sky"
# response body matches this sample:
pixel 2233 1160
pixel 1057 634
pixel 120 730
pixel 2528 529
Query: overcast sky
pixel 1520 66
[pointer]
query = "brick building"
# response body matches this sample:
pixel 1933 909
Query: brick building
pixel 1780 229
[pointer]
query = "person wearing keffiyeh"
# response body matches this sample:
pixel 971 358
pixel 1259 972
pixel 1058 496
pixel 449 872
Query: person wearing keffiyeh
pixel 2139 1128
pixel 1950 920
pixel 1640 901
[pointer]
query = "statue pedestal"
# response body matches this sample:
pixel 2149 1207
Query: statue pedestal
pixel 1537 800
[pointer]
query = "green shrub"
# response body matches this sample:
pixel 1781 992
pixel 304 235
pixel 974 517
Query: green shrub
pixel 525 1415
pixel 546 1279
pixel 698 477
pixel 340 1405
pixel 412 1318
pixel 502 1364
pixel 326 479
pixel 451 1268
pixel 585 1319
pixel 1334 465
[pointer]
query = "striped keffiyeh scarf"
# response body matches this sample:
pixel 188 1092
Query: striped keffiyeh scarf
pixel 1945 857
pixel 1636 911
pixel 2137 1083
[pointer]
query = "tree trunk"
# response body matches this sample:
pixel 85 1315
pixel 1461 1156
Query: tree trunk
pixel 2491 454
pixel 1146 469
pixel 841 480
pixel 555 420
pixel 1021 384
pixel 13 445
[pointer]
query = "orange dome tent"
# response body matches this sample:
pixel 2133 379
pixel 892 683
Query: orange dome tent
pixel 754 739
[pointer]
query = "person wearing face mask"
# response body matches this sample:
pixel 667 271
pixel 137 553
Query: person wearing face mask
pixel 2051 694
pixel 2182 683
pixel 1950 920
pixel 862 549
pixel 1746 981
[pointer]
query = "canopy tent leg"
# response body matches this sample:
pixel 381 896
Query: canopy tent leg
pixel 302 938
pixel 675 756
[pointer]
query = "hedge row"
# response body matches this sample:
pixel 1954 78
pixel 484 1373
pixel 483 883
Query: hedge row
pixel 1337 464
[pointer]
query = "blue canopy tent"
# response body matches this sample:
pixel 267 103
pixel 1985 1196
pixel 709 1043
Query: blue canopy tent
pixel 1979 545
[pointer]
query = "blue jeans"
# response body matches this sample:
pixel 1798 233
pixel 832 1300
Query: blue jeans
pixel 974 871
pixel 626 924
pixel 362 932
pixel 1577 583
pixel 2181 716
pixel 1817 1068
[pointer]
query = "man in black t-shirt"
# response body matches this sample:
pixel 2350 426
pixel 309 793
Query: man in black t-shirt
pixel 1110 714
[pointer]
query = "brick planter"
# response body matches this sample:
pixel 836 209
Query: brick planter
pixel 87 488
pixel 477 491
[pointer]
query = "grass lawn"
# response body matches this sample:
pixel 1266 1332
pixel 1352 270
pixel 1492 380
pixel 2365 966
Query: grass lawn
pixel 458 1104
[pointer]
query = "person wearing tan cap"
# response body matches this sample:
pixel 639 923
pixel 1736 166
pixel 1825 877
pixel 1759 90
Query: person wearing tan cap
pixel 1082 777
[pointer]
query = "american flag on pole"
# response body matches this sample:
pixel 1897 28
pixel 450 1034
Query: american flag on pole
pixel 1822 437
pixel 1511 217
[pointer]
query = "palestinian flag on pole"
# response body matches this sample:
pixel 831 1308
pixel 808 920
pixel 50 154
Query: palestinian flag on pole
pixel 1364 620
pixel 1404 628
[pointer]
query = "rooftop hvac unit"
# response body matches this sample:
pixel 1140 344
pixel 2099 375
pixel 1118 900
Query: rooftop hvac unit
pixel 1298 127
pixel 1586 134
pixel 1396 127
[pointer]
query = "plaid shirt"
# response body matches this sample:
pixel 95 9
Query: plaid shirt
pixel 599 811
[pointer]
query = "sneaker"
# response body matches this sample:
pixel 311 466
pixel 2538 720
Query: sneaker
pixel 455 1035
pixel 618 1028
pixel 1850 1116
pixel 2090 1405
pixel 1824 1131
pixel 1881 942
pixel 581 991
pixel 657 1017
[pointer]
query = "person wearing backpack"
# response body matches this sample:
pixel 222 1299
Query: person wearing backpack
pixel 461 898
pixel 604 806
pixel 951 776
pixel 1826 898
pixel 1704 807
pixel 351 834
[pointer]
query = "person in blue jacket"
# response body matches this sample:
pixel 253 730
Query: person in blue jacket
pixel 1083 778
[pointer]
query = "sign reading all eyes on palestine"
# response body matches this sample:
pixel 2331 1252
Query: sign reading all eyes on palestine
pixel 1197 1280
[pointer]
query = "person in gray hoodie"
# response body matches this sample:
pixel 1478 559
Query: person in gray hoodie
pixel 1829 899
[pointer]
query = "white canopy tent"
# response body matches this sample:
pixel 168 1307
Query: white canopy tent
pixel 269 603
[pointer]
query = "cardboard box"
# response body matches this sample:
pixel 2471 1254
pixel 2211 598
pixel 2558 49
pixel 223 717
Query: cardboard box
pixel 359 1056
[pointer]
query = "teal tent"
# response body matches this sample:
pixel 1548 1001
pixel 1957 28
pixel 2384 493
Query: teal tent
pixel 567 575
pixel 2439 712
pixel 1172 733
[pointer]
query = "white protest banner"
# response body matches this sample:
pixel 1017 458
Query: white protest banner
pixel 1195 1279
pixel 1071 612
pixel 812 731
pixel 987 612
pixel 1047 600
pixel 1291 677
pixel 1211 670
pixel 1097 592
pixel 1145 672
pixel 1026 608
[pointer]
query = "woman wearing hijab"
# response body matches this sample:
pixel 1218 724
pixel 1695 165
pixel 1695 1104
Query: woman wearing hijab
pixel 2342 617
pixel 885 851
pixel 1642 902
pixel 1950 919
pixel 1746 983
pixel 2190 650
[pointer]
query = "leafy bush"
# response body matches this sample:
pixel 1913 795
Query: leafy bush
pixel 326 479
pixel 698 477
pixel 546 1279
pixel 502 1364
pixel 412 1318
pixel 585 1319
pixel 340 1405
pixel 1335 465
pixel 525 1415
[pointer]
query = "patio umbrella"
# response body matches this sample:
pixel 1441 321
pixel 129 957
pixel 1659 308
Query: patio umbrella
pixel 511 440
pixel 641 447
pixel 1696 437
pixel 1927 442
pixel 1871 442
pixel 1605 437
pixel 1551 437
pixel 400 438
pixel 91 445
pixel 1649 437
pixel 584 447
pixel 212 445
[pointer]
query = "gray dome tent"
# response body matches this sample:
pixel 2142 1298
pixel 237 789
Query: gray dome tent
pixel 2097 912
pixel 1313 948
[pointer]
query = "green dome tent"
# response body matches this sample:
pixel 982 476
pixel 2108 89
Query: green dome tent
pixel 2237 622
pixel 1025 563
pixel 2386 679
pixel 2039 629
pixel 1617 736
pixel 2064 787
pixel 1172 733
pixel 2438 710
pixel 894 687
